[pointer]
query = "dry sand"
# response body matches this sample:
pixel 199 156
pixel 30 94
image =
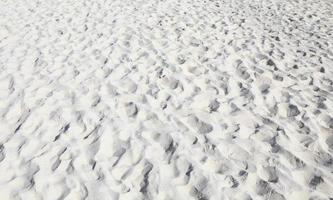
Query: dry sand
pixel 166 99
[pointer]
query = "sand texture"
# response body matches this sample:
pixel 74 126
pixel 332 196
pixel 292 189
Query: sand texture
pixel 166 100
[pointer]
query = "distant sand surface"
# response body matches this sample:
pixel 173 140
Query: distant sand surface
pixel 166 99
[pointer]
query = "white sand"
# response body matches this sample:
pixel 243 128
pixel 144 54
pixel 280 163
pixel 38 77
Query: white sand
pixel 166 99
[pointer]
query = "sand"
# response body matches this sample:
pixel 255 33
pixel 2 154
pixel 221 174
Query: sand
pixel 166 99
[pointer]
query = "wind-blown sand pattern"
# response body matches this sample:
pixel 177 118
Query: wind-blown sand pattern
pixel 166 99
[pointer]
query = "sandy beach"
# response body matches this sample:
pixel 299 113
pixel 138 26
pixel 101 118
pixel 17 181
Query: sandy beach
pixel 166 100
